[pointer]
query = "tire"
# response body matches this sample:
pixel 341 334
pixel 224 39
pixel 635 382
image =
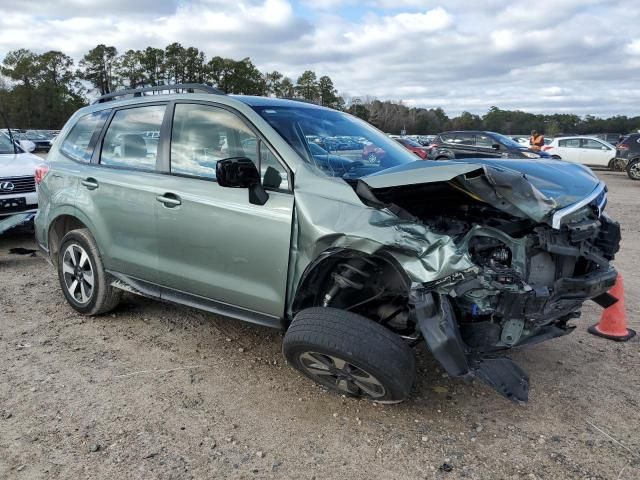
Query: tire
pixel 442 158
pixel 350 354
pixel 556 157
pixel 633 169
pixel 79 261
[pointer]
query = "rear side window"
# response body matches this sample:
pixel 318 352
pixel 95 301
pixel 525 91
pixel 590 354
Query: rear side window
pixel 569 143
pixel 132 138
pixel 80 142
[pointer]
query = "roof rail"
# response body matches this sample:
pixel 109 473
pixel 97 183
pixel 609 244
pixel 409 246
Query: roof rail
pixel 138 92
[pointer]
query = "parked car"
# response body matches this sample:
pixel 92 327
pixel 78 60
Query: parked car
pixel 413 147
pixel 355 266
pixel 41 138
pixel 586 150
pixel 18 169
pixel 478 144
pixel 628 153
pixel 372 154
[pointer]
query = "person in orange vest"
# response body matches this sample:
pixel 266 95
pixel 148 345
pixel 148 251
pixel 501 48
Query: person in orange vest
pixel 536 141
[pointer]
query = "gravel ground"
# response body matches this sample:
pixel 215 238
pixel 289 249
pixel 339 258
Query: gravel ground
pixel 159 391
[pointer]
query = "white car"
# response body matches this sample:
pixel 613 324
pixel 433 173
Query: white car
pixel 589 151
pixel 17 177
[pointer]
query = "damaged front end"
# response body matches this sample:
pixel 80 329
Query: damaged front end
pixel 534 261
pixel 474 257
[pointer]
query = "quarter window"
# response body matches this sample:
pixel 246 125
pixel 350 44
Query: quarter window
pixel 202 135
pixel 80 141
pixel 132 138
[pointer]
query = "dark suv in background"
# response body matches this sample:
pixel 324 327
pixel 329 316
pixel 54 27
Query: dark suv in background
pixel 628 152
pixel 478 144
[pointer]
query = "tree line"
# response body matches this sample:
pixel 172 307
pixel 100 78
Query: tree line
pixel 394 117
pixel 43 90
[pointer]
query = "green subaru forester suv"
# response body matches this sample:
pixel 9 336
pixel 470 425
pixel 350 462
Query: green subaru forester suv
pixel 275 212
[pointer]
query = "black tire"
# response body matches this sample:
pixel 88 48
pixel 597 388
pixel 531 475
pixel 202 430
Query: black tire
pixel 101 297
pixel 556 157
pixel 441 157
pixel 379 366
pixel 633 169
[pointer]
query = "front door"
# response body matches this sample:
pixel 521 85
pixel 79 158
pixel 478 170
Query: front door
pixel 595 153
pixel 213 243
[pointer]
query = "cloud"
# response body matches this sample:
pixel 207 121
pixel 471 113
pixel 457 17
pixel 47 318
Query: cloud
pixel 554 55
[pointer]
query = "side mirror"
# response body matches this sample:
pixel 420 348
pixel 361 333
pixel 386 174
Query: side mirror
pixel 496 146
pixel 241 172
pixel 27 145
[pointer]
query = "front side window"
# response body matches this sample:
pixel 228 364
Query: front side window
pixel 483 140
pixel 569 143
pixel 80 141
pixel 465 138
pixel 591 144
pixel 202 135
pixel 132 138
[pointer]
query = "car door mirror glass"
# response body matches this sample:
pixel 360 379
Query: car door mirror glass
pixel 238 172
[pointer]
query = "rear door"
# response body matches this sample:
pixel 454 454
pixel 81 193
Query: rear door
pixel 214 244
pixel 569 149
pixel 118 191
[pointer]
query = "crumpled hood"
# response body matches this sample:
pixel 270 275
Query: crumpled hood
pixel 20 165
pixel 532 188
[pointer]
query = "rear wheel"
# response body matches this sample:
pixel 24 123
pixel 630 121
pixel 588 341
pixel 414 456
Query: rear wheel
pixel 82 276
pixel 633 169
pixel 556 157
pixel 350 354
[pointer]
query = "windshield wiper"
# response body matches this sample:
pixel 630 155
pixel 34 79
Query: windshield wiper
pixel 15 147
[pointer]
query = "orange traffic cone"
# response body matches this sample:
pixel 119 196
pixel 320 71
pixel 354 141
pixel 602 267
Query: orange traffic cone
pixel 613 322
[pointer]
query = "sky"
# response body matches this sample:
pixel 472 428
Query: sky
pixel 566 56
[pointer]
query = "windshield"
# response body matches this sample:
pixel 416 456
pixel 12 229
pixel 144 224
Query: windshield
pixel 338 144
pixel 5 145
pixel 506 141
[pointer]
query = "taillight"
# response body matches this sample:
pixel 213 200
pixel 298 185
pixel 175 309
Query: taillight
pixel 41 172
pixel 622 146
pixel 433 145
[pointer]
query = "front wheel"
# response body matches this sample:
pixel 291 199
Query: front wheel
pixel 633 169
pixel 350 354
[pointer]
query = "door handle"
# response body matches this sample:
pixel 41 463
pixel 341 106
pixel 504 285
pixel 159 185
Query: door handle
pixel 90 183
pixel 169 200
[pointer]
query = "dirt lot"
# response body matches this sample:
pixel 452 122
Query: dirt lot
pixel 158 391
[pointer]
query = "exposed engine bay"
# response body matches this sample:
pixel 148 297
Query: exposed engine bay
pixel 527 281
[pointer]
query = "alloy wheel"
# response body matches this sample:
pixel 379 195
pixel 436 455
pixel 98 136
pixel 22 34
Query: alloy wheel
pixel 340 374
pixel 78 273
pixel 634 170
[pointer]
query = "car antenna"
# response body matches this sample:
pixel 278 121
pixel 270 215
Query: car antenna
pixel 6 121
